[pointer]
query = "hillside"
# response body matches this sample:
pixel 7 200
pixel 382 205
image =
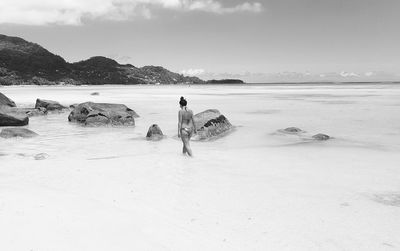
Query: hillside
pixel 23 62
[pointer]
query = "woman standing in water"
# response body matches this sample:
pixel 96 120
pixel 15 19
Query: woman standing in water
pixel 186 126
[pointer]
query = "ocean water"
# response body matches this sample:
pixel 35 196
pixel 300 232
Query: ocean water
pixel 253 189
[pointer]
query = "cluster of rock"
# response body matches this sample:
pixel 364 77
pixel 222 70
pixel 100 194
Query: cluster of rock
pixel 298 131
pixel 11 115
pixel 210 123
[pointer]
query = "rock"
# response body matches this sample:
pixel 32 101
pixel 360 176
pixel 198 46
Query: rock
pixel 97 114
pixel 50 105
pixel 5 101
pixel 292 130
pixel 211 123
pixel 154 133
pixel 73 106
pixel 321 136
pixel 9 118
pixel 95 94
pixel 41 156
pixel 17 132
pixel 30 112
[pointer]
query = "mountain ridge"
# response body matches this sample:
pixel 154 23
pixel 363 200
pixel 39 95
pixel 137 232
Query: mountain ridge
pixel 23 62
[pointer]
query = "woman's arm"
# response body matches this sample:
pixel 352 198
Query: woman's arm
pixel 194 124
pixel 179 123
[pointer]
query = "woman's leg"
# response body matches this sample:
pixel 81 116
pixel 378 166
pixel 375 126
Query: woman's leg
pixel 183 142
pixel 186 145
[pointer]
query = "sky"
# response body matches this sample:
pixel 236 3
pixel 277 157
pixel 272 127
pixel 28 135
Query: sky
pixel 256 40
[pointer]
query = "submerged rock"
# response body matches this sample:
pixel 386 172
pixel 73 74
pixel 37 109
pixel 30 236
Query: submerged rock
pixel 154 133
pixel 291 130
pixel 30 112
pixel 10 118
pixel 98 114
pixel 49 105
pixel 211 123
pixel 5 101
pixel 321 136
pixel 95 94
pixel 41 156
pixel 17 132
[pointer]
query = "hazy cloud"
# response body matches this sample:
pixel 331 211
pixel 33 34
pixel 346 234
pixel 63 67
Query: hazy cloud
pixel 72 12
pixel 193 72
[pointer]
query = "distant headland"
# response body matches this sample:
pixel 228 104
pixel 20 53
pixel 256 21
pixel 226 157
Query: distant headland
pixel 26 63
pixel 225 81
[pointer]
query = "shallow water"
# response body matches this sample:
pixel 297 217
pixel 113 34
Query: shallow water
pixel 254 189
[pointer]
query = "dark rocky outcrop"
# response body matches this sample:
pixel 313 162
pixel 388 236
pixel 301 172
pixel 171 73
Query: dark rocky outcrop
pixel 5 101
pixel 211 123
pixel 225 81
pixel 321 136
pixel 154 133
pixel 49 105
pixel 17 132
pixel 10 118
pixel 23 62
pixel 99 114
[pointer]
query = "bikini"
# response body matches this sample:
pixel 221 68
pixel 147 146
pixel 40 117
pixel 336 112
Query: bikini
pixel 187 129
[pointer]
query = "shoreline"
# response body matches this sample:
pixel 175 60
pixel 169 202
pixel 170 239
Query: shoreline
pixel 227 84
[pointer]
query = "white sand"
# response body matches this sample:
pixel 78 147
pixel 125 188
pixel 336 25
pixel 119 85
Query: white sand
pixel 255 189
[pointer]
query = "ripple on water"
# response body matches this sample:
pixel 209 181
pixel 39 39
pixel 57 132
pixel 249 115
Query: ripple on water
pixel 389 199
pixel 265 111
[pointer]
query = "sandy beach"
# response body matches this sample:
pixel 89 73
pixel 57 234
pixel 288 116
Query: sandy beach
pixel 253 189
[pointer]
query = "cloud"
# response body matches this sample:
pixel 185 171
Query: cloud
pixel 74 12
pixel 193 72
pixel 348 74
pixel 370 74
pixel 216 7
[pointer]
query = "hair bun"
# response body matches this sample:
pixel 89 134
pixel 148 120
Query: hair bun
pixel 182 98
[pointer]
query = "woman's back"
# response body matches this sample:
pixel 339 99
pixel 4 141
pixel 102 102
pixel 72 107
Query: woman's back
pixel 186 116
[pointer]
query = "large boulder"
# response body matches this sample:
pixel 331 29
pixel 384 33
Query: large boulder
pixel 17 132
pixel 49 105
pixel 98 114
pixel 211 123
pixel 9 118
pixel 154 133
pixel 5 101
